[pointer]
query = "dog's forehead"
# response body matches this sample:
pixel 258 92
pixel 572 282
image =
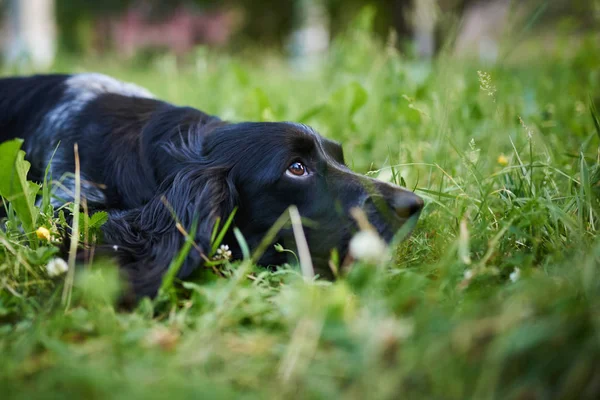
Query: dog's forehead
pixel 300 131
pixel 329 149
pixel 304 133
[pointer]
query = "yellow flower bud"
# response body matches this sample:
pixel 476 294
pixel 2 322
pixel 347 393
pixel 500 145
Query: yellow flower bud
pixel 502 160
pixel 43 233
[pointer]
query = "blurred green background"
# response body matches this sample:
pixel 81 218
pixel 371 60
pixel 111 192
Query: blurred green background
pixel 294 28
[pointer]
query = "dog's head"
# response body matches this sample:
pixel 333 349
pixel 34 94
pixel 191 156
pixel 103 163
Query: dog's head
pixel 261 169
pixel 275 165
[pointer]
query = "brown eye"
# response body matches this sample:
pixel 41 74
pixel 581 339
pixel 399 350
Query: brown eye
pixel 297 169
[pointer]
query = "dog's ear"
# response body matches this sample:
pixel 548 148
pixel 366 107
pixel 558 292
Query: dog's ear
pixel 147 239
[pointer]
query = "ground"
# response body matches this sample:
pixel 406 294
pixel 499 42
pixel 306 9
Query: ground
pixel 495 295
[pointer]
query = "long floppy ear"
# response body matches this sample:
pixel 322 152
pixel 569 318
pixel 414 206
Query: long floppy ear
pixel 147 239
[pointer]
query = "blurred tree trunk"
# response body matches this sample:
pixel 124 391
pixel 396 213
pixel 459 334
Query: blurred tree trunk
pixel 32 33
pixel 417 20
pixel 424 19
pixel 310 40
pixel 484 22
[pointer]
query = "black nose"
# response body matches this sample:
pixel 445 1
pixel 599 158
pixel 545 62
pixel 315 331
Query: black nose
pixel 406 204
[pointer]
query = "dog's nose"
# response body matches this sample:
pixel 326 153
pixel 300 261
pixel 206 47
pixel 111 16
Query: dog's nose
pixel 407 204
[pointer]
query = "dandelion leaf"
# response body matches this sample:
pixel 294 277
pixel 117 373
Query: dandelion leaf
pixel 14 186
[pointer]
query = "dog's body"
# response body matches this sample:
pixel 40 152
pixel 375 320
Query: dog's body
pixel 136 152
pixel 106 118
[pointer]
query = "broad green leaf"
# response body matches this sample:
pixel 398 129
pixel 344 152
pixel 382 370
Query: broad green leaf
pixel 359 97
pixel 93 222
pixel 353 96
pixel 311 112
pixel 98 219
pixel 14 186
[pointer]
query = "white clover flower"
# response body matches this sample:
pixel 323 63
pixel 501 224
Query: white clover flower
pixel 515 275
pixel 368 246
pixel 56 267
pixel 469 274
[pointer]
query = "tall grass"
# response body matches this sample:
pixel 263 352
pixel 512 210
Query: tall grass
pixel 495 295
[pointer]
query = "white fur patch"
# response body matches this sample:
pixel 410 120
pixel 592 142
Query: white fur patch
pixel 80 90
pixel 93 84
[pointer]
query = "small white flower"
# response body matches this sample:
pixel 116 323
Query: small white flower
pixel 368 246
pixel 115 247
pixel 405 328
pixel 56 267
pixel 515 275
pixel 223 253
pixel 469 274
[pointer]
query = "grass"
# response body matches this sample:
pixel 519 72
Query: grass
pixel 495 295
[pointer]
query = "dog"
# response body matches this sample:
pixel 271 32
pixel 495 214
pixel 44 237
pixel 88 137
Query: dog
pixel 156 167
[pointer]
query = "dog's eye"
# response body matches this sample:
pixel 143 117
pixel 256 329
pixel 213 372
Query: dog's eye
pixel 297 169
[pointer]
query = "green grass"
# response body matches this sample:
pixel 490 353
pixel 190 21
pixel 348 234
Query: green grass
pixel 506 157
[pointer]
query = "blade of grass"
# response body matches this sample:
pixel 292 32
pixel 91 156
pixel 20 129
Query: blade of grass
pixel 166 287
pixel 68 288
pixel 222 233
pixel 303 251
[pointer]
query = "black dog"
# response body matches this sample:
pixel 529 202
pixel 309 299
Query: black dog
pixel 136 151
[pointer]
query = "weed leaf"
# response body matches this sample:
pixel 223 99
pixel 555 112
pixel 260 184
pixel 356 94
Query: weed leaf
pixel 14 186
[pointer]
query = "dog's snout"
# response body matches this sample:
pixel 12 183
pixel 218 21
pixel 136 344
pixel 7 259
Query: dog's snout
pixel 406 204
